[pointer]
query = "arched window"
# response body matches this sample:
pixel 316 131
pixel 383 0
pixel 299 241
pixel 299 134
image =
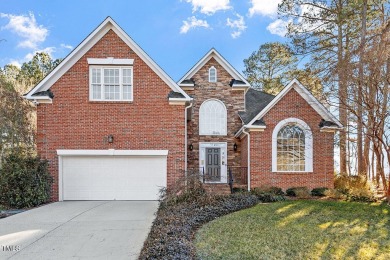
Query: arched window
pixel 212 118
pixel 292 147
pixel 212 74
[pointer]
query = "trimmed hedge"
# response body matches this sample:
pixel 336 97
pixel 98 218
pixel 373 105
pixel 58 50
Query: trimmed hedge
pixel 171 236
pixel 24 181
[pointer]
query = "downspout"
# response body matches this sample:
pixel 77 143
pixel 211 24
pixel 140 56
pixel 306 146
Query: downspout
pixel 249 158
pixel 185 142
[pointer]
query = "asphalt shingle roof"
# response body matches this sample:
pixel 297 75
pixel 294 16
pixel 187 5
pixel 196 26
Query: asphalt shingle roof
pixel 47 93
pixel 173 94
pixel 236 82
pixel 255 101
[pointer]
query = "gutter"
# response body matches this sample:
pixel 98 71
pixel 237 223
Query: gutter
pixel 186 141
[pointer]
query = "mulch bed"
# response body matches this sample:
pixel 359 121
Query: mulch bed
pixel 172 233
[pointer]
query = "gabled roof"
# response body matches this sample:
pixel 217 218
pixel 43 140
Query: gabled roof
pixel 266 103
pixel 88 43
pixel 239 79
pixel 305 94
pixel 255 101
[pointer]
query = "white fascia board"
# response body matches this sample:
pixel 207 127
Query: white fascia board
pixel 110 61
pixel 187 85
pixel 149 61
pixel 256 127
pixel 177 101
pixel 222 61
pixel 112 152
pixel 249 127
pixel 239 132
pixel 331 129
pixel 271 104
pixel 317 106
pixel 71 59
pixel 305 94
pixel 88 43
pixel 40 97
pixel 239 87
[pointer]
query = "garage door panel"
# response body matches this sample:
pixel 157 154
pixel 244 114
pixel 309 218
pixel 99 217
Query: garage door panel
pixel 113 177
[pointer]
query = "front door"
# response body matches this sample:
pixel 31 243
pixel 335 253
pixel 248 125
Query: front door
pixel 213 164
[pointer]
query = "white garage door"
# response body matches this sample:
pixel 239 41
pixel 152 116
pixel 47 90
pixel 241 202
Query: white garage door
pixel 124 175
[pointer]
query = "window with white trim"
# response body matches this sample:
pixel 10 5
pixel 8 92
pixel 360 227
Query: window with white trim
pixel 212 74
pixel 111 83
pixel 292 147
pixel 212 118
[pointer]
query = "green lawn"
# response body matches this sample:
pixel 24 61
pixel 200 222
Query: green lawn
pixel 299 230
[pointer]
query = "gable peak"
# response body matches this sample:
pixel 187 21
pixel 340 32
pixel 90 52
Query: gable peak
pixel 213 53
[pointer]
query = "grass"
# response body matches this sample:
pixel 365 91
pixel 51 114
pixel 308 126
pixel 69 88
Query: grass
pixel 299 230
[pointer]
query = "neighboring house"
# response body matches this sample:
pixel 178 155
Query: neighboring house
pixel 113 125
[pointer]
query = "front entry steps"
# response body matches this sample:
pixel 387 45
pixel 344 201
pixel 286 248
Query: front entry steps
pixel 217 188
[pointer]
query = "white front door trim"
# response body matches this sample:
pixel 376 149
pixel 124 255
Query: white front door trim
pixel 223 159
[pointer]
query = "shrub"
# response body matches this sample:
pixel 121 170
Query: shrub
pixel 270 189
pixel 320 192
pixel 186 189
pixel 345 183
pixel 335 194
pixel 268 194
pixel 356 188
pixel 237 189
pixel 299 192
pixel 24 181
pixel 361 195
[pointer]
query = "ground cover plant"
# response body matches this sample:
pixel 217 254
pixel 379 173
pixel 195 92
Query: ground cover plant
pixel 183 210
pixel 299 230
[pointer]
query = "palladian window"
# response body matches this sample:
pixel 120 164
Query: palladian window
pixel 292 146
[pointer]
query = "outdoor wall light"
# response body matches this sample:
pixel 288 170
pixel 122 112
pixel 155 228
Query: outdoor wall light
pixel 191 147
pixel 235 147
pixel 110 139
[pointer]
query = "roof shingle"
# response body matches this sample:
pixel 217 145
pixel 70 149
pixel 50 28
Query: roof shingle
pixel 255 101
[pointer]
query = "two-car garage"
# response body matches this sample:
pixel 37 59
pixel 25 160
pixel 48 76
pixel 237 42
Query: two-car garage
pixel 111 174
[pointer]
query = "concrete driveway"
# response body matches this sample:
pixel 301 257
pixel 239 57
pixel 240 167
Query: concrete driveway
pixel 78 230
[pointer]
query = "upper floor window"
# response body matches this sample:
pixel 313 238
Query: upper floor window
pixel 212 118
pixel 111 83
pixel 292 147
pixel 212 74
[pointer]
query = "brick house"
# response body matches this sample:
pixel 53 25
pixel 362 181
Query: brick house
pixel 114 125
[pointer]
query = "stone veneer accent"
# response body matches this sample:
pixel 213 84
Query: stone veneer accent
pixel 234 102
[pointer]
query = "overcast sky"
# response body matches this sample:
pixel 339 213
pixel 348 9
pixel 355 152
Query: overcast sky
pixel 175 33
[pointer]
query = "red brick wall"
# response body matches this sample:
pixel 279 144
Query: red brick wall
pixel 234 102
pixel 244 159
pixel 74 122
pixel 292 105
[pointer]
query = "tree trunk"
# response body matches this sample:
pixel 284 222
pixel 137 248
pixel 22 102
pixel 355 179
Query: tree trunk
pixel 361 167
pixel 342 92
pixel 379 166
